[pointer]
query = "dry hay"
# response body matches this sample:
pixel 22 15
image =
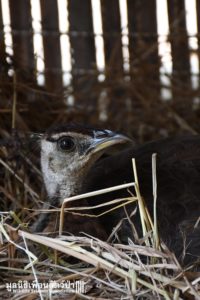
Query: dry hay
pixel 147 270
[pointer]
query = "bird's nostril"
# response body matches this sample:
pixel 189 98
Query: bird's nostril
pixel 103 133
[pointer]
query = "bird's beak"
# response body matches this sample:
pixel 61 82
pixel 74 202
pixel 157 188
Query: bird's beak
pixel 109 139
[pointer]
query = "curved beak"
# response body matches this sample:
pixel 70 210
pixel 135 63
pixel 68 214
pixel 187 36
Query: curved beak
pixel 101 142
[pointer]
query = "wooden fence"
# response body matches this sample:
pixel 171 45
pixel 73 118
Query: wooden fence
pixel 144 60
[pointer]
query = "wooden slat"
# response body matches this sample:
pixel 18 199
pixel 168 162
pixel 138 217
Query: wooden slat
pixel 82 47
pixel 51 42
pixel 143 49
pixel 179 41
pixel 112 36
pixel 2 42
pixel 142 22
pixel 198 27
pixel 113 57
pixel 21 24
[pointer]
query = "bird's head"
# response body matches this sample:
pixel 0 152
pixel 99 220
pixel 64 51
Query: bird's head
pixel 68 152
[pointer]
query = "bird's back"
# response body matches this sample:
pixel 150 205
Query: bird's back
pixel 178 178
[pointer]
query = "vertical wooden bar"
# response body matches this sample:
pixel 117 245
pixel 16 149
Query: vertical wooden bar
pixel 21 24
pixel 133 17
pixel 112 37
pixel 114 102
pixel 179 42
pixel 143 46
pixel 51 42
pixel 82 47
pixel 2 41
pixel 198 27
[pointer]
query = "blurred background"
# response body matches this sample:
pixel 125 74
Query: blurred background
pixel 129 65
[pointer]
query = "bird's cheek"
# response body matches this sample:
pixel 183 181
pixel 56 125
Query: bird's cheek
pixel 56 165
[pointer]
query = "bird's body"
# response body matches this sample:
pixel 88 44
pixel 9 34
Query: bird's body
pixel 178 189
pixel 178 176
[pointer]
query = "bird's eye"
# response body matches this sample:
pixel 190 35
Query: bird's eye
pixel 66 143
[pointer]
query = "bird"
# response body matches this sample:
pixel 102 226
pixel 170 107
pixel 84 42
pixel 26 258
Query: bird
pixel 77 159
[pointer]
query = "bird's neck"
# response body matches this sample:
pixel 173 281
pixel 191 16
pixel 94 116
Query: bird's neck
pixel 69 187
pixel 65 184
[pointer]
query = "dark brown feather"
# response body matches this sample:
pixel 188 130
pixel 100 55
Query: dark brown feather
pixel 178 176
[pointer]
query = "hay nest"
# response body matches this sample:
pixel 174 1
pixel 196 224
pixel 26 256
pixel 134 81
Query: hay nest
pixel 38 266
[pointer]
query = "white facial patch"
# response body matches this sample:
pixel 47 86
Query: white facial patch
pixel 50 177
pixel 63 172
